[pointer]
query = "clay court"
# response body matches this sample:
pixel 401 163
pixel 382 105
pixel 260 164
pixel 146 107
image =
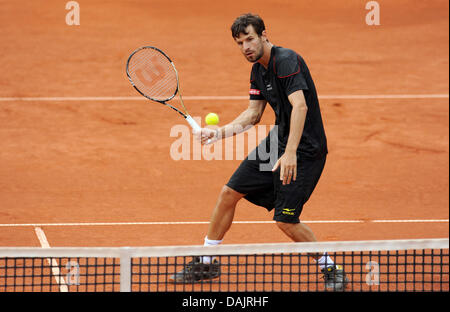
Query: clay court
pixel 86 159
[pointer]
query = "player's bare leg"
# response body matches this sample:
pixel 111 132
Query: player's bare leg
pixel 335 278
pixel 205 268
pixel 223 213
pixel 298 232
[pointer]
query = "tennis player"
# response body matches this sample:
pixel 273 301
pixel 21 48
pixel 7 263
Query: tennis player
pixel 281 78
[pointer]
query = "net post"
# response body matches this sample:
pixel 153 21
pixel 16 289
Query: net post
pixel 125 269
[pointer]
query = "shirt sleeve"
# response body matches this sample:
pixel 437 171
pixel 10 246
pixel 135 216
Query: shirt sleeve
pixel 290 74
pixel 255 91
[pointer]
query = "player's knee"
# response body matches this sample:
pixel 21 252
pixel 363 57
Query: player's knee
pixel 230 194
pixel 285 227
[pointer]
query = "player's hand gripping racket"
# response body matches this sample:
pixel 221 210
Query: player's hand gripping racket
pixel 153 74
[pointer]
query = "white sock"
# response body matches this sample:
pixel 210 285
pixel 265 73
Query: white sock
pixel 210 242
pixel 325 261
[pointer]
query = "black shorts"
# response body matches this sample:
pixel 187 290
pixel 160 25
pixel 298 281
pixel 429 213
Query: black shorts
pixel 263 187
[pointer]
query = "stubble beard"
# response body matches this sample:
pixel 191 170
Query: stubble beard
pixel 257 56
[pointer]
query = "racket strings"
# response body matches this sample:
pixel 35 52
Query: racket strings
pixel 153 74
pixel 160 76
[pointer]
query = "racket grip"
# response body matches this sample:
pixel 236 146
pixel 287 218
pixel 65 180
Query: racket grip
pixel 195 126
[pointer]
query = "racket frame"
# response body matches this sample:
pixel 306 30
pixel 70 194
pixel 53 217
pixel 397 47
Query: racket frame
pixel 185 114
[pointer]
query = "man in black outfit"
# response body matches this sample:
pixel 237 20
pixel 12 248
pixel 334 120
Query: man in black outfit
pixel 281 78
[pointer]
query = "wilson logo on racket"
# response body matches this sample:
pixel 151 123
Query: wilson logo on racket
pixel 150 74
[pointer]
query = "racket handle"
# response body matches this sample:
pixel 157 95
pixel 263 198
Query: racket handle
pixel 195 126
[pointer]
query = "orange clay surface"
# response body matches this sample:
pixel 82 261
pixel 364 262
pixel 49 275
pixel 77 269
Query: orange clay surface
pixel 78 161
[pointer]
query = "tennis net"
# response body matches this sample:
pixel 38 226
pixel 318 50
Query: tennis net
pixel 391 265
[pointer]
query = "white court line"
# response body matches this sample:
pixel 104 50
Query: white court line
pixel 42 238
pixel 386 96
pixel 38 225
pixel 52 262
pixel 208 98
pixel 410 221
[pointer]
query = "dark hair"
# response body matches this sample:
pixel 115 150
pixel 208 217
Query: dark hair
pixel 245 20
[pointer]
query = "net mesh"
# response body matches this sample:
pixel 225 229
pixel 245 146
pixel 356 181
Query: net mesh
pixel 24 274
pixel 152 74
pixel 399 268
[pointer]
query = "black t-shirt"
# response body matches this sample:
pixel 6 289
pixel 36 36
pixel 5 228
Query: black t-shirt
pixel 286 73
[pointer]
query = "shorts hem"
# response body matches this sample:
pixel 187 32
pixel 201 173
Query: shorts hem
pixel 293 220
pixel 234 188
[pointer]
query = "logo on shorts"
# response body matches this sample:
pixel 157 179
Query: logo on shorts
pixel 289 212
pixel 254 92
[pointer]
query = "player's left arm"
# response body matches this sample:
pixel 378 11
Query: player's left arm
pixel 288 161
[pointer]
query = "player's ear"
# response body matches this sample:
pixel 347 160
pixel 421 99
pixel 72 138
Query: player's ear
pixel 264 36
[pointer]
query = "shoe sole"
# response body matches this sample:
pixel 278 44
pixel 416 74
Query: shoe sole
pixel 345 284
pixel 173 280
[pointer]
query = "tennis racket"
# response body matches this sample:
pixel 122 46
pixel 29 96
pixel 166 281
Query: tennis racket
pixel 153 74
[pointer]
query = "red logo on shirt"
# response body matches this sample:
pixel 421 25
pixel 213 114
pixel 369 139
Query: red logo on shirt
pixel 254 92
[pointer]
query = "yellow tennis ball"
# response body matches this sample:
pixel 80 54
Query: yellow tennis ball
pixel 212 119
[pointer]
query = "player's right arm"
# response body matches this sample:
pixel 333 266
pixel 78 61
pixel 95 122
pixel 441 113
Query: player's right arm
pixel 247 119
